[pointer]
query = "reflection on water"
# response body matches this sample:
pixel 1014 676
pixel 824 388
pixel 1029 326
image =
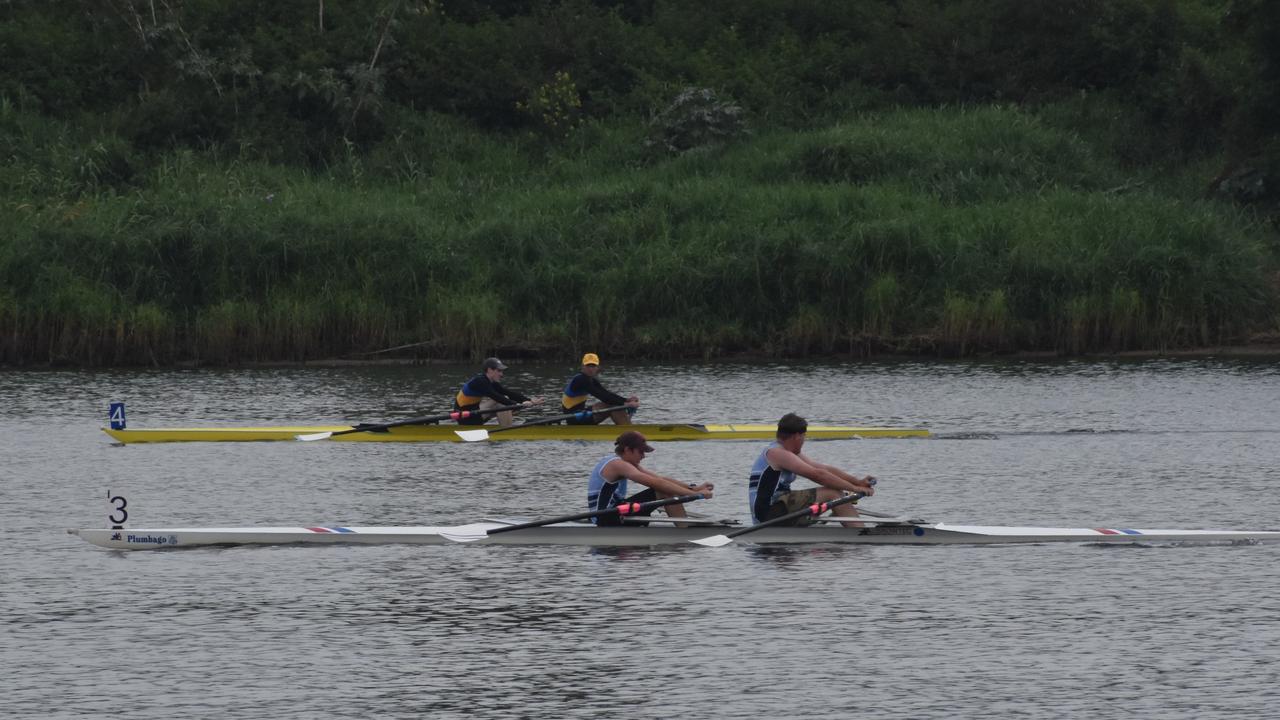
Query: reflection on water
pixel 803 557
pixel 503 631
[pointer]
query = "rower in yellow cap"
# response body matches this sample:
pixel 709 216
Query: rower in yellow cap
pixel 587 384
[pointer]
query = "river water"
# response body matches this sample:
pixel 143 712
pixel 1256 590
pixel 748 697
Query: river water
pixel 744 631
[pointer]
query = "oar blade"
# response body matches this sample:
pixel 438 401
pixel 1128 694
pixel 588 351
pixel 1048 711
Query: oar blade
pixel 713 541
pixel 472 435
pixel 311 437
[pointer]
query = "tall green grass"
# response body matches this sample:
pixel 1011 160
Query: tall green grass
pixel 952 231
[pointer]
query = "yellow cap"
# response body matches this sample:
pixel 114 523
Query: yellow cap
pixel 590 359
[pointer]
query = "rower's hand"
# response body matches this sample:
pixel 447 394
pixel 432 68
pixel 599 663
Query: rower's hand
pixel 867 489
pixel 706 490
pixel 632 401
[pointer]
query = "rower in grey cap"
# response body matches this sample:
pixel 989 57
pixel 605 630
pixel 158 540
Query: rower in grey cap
pixel 485 392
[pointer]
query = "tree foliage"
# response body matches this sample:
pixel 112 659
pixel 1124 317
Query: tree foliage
pixel 297 80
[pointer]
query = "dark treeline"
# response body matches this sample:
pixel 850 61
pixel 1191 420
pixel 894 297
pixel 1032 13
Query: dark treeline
pixel 296 80
pixel 220 181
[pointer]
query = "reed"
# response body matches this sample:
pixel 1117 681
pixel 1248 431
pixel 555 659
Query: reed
pixel 965 230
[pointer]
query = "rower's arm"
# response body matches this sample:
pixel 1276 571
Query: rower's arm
pixel 846 476
pixel 621 468
pixel 601 393
pixel 505 396
pixel 662 484
pixel 816 472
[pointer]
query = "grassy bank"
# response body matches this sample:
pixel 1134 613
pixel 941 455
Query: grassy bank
pixel 949 231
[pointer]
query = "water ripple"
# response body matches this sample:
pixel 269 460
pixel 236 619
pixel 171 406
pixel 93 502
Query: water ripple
pixel 743 631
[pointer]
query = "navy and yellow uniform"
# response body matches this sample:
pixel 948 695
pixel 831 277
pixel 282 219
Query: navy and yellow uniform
pixel 478 388
pixel 575 396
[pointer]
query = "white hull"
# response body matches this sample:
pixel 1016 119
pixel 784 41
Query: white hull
pixel 582 534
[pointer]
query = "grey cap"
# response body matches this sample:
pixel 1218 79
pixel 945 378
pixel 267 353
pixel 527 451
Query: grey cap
pixel 494 363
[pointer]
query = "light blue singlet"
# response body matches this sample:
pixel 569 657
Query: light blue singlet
pixel 767 485
pixel 602 494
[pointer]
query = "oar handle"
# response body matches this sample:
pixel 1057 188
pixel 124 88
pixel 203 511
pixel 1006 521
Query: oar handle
pixel 624 509
pixel 582 414
pixel 455 415
pixel 814 509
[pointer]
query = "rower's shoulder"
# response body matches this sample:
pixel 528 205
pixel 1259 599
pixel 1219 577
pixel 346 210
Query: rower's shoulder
pixel 779 451
pixel 781 457
pixel 621 466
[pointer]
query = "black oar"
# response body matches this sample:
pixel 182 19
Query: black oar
pixel 476 435
pixel 455 415
pixel 814 509
pixel 471 533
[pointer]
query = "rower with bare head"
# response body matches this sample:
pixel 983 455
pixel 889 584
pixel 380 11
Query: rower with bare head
pixel 587 384
pixel 607 486
pixel 485 392
pixel 777 466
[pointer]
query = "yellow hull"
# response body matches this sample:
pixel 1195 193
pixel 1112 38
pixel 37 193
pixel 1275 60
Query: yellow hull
pixel 445 433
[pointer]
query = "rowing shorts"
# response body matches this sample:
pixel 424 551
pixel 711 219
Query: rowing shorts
pixel 614 520
pixel 596 419
pixel 484 404
pixel 793 501
pixel 588 420
pixel 474 419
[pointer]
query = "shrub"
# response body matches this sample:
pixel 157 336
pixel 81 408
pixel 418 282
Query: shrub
pixel 697 118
